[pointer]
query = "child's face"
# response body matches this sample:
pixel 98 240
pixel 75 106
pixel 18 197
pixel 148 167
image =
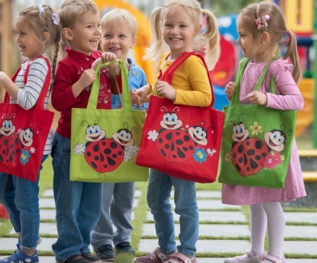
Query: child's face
pixel 85 34
pixel 28 44
pixel 118 40
pixel 179 31
pixel 249 47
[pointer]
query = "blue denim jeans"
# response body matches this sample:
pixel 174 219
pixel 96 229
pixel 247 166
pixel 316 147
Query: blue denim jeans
pixel 20 197
pixel 78 205
pixel 158 197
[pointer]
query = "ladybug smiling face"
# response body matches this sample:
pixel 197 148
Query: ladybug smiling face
pixel 275 139
pixel 198 134
pixel 240 133
pixel 26 137
pixel 94 133
pixel 7 127
pixel 123 137
pixel 170 121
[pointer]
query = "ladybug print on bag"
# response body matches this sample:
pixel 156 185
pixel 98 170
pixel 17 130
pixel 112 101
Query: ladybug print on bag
pixel 26 138
pixel 247 153
pixel 10 144
pixel 105 154
pixel 174 144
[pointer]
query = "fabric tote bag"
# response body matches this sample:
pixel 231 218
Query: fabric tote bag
pixel 23 133
pixel 256 141
pixel 181 141
pixel 104 143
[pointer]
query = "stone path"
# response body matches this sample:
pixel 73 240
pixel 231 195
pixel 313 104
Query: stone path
pixel 221 229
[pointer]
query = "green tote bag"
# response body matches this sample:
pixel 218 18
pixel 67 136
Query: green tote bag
pixel 105 143
pixel 256 141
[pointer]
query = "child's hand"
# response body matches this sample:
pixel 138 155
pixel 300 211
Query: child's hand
pixel 88 77
pixel 95 63
pixel 108 56
pixel 165 90
pixel 143 91
pixel 140 96
pixel 136 100
pixel 230 88
pixel 255 97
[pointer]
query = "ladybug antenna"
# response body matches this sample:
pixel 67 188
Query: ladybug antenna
pixel 282 127
pixel 176 109
pixel 36 130
pixel 83 123
pixel 3 116
pixel 163 108
pixel 97 120
pixel 231 121
pixel 135 130
pixel 243 118
pixel 125 125
pixel 289 131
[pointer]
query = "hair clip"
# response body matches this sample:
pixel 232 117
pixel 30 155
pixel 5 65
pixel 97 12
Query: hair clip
pixel 41 9
pixel 261 21
pixel 204 13
pixel 55 18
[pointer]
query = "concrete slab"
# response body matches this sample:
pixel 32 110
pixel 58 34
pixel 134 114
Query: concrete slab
pixel 47 214
pixel 47 203
pixel 48 193
pixel 304 217
pixel 301 231
pixel 206 230
pixel 213 216
pixel 300 247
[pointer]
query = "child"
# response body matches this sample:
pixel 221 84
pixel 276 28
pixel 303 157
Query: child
pixel 260 28
pixel 118 28
pixel 38 31
pixel 77 203
pixel 177 24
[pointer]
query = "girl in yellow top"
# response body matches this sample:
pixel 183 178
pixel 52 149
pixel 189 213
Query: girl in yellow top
pixel 179 24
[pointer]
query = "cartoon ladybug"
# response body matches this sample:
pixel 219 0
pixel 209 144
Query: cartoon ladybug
pixel 10 145
pixel 275 140
pixel 247 153
pixel 174 144
pixel 198 134
pixel 102 154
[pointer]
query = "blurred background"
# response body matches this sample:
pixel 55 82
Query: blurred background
pixel 300 18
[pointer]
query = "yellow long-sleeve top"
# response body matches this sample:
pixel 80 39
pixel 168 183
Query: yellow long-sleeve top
pixel 190 81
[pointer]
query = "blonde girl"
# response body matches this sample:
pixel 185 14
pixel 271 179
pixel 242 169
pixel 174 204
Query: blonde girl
pixel 178 25
pixel 260 28
pixel 38 32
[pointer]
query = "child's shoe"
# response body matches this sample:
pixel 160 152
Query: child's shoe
pixel 21 257
pixel 106 254
pixel 249 257
pixel 157 256
pixel 177 257
pixel 271 259
pixel 91 258
pixel 125 247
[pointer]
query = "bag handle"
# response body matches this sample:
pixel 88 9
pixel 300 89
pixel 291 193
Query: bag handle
pixel 40 101
pixel 93 98
pixel 242 65
pixel 169 73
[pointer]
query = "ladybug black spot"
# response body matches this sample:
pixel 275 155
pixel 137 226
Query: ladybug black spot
pixel 89 154
pixel 257 157
pixel 238 167
pixel 166 146
pixel 240 148
pixel 191 148
pixel 234 155
pixel 163 152
pixel 179 142
pixel 160 140
pixel 258 144
pixel 102 158
pixel 114 156
pixel 103 143
pixel 168 136
pixel 186 138
pixel 113 145
pixel 93 164
pixel 253 164
pixel 96 158
pixel 111 161
pixel 180 153
pixel 177 133
pixel 5 142
pixel 107 151
pixel 240 160
pixel 247 143
pixel 264 154
pixel 120 153
pixel 250 152
pixel 185 149
pixel 95 148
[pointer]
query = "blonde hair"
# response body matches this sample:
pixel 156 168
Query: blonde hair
pixel 121 17
pixel 41 22
pixel 192 7
pixel 71 10
pixel 276 28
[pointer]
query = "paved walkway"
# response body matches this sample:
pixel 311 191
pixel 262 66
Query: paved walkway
pixel 221 229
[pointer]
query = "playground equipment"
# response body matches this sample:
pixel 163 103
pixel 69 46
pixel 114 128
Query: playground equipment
pixel 143 33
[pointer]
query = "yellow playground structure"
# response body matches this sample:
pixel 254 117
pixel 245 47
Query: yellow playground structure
pixel 143 33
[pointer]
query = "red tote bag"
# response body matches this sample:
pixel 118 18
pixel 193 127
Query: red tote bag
pixel 181 141
pixel 23 134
